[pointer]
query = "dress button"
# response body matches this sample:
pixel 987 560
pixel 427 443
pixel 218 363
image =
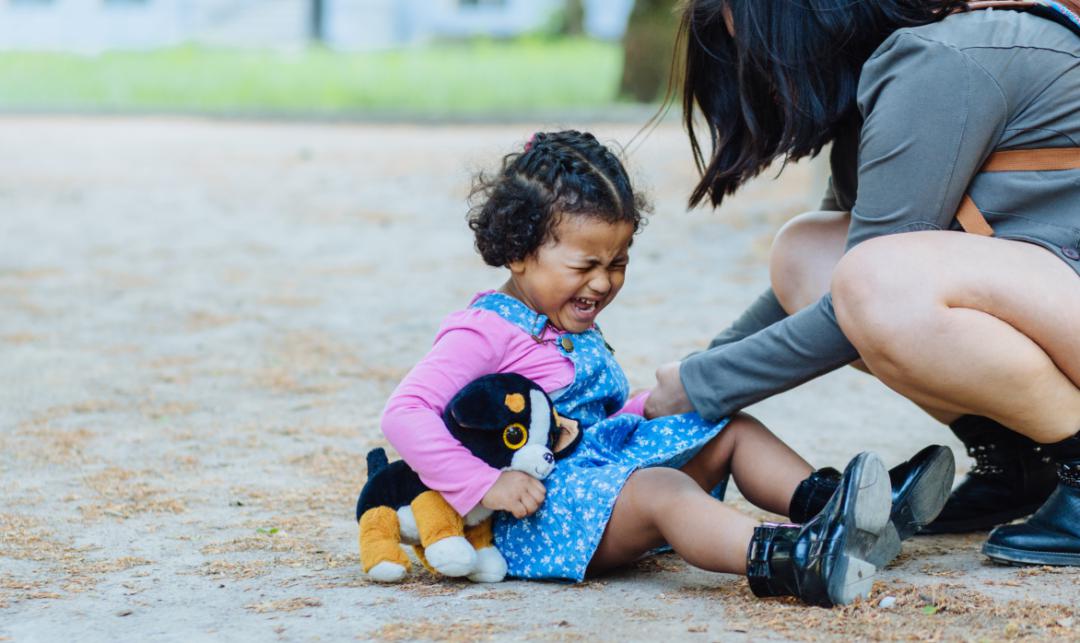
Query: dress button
pixel 1071 253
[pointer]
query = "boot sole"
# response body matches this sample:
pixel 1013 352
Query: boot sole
pixel 926 496
pixel 852 576
pixel 1024 557
pixel 920 504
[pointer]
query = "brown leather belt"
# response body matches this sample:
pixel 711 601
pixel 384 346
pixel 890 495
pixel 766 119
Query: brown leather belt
pixel 1041 160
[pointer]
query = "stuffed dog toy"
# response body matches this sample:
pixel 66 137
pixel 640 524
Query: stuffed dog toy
pixel 507 421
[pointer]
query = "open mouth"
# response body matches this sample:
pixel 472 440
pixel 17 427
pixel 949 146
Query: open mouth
pixel 584 306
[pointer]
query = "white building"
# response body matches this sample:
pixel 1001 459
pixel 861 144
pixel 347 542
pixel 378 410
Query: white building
pixel 99 25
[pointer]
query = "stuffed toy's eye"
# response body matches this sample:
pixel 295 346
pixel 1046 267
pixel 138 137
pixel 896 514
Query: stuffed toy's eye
pixel 515 436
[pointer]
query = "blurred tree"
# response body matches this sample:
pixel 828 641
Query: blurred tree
pixel 574 20
pixel 318 11
pixel 647 50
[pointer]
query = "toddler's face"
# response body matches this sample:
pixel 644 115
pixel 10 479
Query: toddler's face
pixel 575 275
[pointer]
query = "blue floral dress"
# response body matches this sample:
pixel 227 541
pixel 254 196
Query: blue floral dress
pixel 558 541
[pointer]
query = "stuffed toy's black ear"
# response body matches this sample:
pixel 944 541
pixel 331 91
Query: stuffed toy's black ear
pixel 483 403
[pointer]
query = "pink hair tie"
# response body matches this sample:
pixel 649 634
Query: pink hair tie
pixel 528 146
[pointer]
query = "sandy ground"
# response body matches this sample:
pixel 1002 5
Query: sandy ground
pixel 200 322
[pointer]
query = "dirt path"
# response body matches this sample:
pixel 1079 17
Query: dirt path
pixel 200 322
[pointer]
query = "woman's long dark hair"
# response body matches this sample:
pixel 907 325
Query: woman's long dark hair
pixel 784 81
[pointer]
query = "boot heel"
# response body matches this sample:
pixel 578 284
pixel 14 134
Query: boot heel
pixel 851 578
pixel 872 500
pixel 886 549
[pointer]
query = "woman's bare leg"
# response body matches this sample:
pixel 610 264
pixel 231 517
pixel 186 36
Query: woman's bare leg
pixel 804 254
pixel 765 469
pixel 968 324
pixel 661 505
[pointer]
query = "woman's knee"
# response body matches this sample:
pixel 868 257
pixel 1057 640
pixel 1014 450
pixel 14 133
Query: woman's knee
pixel 803 254
pixel 883 302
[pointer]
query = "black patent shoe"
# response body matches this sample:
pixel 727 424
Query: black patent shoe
pixel 919 489
pixel 1012 477
pixel 1051 536
pixel 824 562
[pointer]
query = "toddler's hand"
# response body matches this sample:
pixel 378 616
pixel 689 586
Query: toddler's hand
pixel 516 492
pixel 669 396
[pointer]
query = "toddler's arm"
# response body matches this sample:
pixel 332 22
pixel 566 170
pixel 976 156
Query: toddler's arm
pixel 412 420
pixel 636 404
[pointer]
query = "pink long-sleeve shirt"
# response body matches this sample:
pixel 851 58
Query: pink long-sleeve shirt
pixel 470 343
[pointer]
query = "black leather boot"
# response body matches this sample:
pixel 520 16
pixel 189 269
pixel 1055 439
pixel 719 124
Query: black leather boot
pixel 1012 477
pixel 1052 535
pixel 813 494
pixel 920 487
pixel 824 562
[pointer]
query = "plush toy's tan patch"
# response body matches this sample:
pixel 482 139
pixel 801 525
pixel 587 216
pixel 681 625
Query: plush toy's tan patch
pixel 479 535
pixel 569 433
pixel 435 519
pixel 380 539
pixel 515 402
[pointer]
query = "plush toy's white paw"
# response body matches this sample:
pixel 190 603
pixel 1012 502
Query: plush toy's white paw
pixel 387 572
pixel 410 535
pixel 490 566
pixel 452 556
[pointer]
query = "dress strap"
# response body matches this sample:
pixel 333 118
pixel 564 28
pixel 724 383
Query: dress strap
pixel 513 311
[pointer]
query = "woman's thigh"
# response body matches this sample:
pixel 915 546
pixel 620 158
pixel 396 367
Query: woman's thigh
pixel 803 256
pixel 968 323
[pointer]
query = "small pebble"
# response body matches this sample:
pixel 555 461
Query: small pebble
pixel 125 612
pixel 887 602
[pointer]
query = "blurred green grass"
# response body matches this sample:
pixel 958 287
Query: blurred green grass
pixel 475 77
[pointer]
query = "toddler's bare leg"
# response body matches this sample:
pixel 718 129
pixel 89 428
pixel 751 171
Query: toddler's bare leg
pixel 662 505
pixel 765 469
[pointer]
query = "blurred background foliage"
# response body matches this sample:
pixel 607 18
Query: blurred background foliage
pixel 554 67
pixel 454 79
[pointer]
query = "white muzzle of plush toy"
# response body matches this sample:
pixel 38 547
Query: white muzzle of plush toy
pixel 535 460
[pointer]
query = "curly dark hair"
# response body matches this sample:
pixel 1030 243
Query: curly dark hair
pixel 515 211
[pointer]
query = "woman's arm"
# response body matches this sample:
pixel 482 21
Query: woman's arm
pixel 931 116
pixel 727 378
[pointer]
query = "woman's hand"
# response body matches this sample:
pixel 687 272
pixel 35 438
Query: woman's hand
pixel 669 396
pixel 516 492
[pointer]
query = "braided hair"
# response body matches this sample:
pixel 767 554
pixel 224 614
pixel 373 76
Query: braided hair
pixel 515 211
